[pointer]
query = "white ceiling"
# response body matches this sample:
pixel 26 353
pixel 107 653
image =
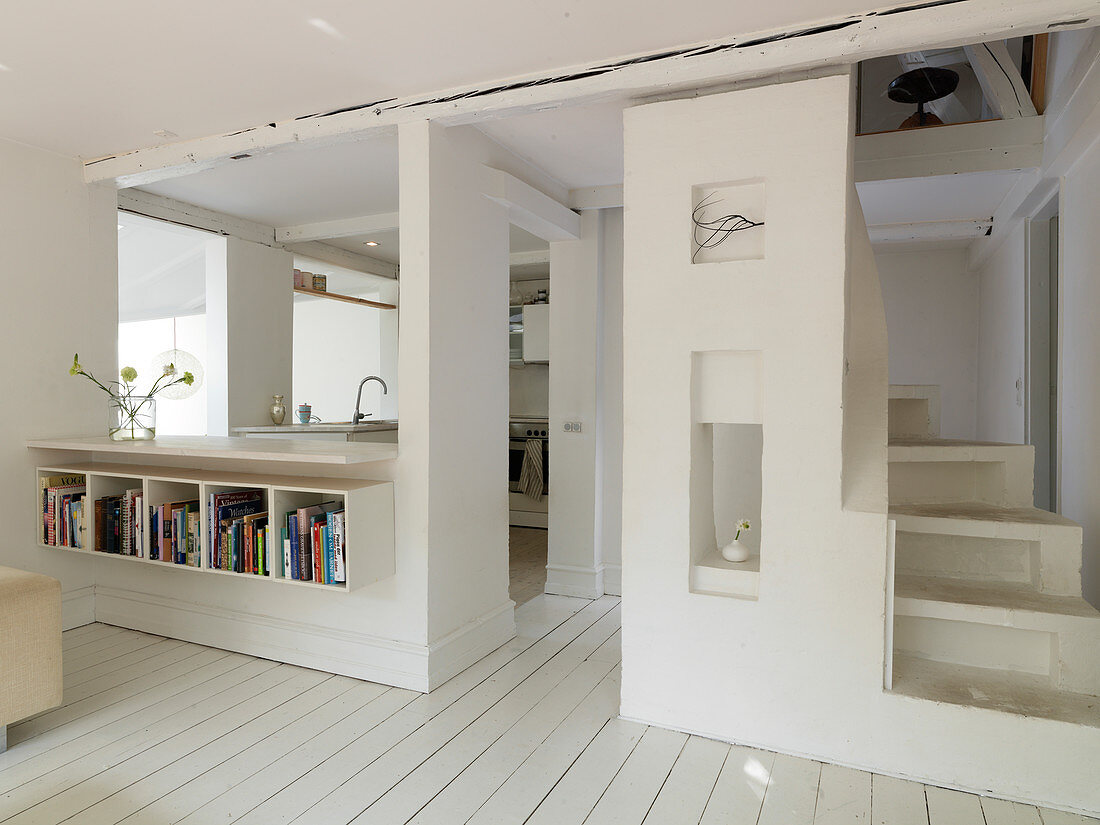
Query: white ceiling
pixel 578 146
pixel 302 184
pixel 93 79
pixel 945 198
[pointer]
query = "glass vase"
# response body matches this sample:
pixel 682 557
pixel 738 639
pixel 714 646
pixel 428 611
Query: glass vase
pixel 132 418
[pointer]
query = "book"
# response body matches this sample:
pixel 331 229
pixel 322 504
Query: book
pixel 286 554
pixel 193 543
pixel 305 543
pixel 339 575
pixel 52 483
pixel 292 542
pixel 52 506
pixel 214 518
pixel 254 524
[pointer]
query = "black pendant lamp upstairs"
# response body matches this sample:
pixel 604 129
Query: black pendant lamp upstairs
pixel 921 86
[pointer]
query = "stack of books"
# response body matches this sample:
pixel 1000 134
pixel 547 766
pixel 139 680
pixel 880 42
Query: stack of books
pixel 239 525
pixel 175 533
pixel 314 544
pixel 118 527
pixel 63 510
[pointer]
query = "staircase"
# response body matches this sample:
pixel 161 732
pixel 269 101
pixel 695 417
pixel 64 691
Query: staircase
pixel 987 592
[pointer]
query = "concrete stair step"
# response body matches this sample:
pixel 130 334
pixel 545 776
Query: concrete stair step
pixel 1000 603
pixel 1008 692
pixel 945 471
pixel 978 541
pixel 999 625
pixel 913 410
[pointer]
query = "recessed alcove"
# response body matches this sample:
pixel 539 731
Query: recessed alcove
pixel 727 447
pixel 723 218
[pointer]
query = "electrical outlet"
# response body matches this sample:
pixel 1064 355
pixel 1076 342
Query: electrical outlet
pixel 572 426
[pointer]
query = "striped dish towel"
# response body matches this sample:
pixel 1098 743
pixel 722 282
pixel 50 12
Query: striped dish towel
pixel 530 474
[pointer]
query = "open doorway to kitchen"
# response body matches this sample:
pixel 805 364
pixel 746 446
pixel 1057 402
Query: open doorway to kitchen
pixel 528 414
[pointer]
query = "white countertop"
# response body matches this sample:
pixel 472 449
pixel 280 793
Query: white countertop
pixel 321 427
pixel 302 451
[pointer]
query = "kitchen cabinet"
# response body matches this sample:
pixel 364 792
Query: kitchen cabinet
pixel 536 333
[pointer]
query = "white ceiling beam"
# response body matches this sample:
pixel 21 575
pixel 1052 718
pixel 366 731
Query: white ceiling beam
pixel 538 256
pixel 334 255
pixel 928 231
pixel 837 43
pixel 187 214
pixel 947 150
pixel 596 197
pixel 530 209
pixel 196 217
pixel 345 228
pixel 1004 88
pixel 948 109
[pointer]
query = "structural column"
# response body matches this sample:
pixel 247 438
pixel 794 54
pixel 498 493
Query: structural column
pixel 453 373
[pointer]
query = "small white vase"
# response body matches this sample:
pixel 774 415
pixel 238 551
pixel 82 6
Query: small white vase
pixel 735 551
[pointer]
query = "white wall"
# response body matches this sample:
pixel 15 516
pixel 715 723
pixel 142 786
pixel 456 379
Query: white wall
pixel 453 502
pixel 931 305
pixel 1080 360
pixel 336 345
pixel 573 568
pixel 800 668
pixel 1001 327
pixel 249 308
pixel 609 444
pixel 60 297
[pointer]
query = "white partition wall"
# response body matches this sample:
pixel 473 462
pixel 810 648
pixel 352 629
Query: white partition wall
pixel 783 328
pixel 60 296
pixel 452 506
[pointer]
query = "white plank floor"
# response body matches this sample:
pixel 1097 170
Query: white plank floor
pixel 157 731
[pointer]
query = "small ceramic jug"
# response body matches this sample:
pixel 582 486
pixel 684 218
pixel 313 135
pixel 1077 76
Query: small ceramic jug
pixel 278 409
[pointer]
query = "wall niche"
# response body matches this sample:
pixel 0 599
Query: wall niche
pixel 727 449
pixel 727 222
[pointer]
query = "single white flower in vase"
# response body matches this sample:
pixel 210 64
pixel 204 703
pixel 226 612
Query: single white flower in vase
pixel 735 550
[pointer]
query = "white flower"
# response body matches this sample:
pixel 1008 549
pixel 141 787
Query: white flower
pixel 744 525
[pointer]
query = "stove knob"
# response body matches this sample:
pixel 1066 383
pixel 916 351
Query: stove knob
pixel 528 432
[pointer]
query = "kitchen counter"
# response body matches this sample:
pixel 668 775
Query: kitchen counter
pixel 379 430
pixel 215 447
pixel 321 427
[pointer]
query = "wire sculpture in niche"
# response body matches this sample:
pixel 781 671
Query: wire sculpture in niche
pixel 711 233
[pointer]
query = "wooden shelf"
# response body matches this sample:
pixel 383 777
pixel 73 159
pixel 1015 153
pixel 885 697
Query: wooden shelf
pixel 351 299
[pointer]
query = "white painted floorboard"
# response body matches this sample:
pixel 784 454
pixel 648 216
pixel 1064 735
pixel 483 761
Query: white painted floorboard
pixel 157 731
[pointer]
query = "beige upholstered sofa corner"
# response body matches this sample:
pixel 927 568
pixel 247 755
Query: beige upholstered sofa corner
pixel 30 646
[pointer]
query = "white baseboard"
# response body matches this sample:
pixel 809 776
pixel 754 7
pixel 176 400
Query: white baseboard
pixel 613 579
pixel 348 653
pixel 449 656
pixel 569 580
pixel 77 607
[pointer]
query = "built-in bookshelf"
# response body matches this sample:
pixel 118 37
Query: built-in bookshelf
pixel 358 515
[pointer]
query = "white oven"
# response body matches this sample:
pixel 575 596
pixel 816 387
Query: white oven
pixel 523 510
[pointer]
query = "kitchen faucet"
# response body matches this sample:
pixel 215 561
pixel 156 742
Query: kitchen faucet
pixel 358 416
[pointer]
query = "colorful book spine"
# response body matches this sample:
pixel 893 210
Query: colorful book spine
pixel 338 549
